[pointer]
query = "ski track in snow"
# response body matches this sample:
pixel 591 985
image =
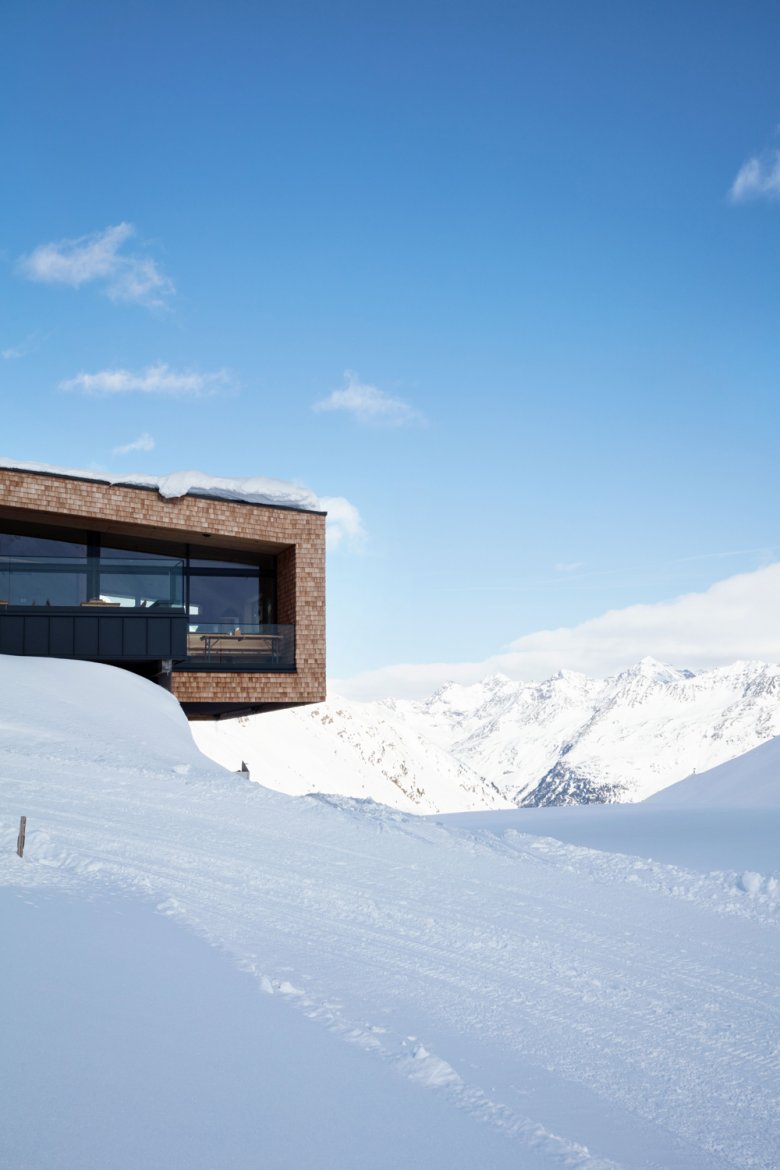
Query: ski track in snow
pixel 599 1010
pixel 643 996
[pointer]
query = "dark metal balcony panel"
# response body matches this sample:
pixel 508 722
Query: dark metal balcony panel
pixel 110 641
pixel 61 633
pixel 85 637
pixel 11 634
pixel 113 636
pixel 36 635
pixel 136 638
pixel 160 637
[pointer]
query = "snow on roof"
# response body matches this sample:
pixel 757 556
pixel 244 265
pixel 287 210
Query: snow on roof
pixel 254 489
pixel 344 524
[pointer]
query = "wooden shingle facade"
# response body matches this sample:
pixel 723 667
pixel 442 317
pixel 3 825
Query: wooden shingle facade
pixel 223 600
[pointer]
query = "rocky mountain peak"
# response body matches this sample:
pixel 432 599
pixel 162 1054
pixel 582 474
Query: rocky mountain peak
pixel 568 740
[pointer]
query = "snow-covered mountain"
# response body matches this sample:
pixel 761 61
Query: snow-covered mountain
pixel 367 750
pixel 569 740
pixel 576 740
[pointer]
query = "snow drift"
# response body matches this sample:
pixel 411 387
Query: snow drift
pixel 750 781
pixel 524 1000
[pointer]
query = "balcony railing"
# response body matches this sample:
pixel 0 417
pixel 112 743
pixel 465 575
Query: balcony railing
pixel 69 581
pixel 213 646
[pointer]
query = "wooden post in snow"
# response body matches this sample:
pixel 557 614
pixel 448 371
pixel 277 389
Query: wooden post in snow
pixel 20 838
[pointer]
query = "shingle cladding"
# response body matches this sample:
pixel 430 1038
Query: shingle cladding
pixel 296 536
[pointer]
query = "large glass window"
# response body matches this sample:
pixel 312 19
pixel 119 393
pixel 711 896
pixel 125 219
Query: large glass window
pixel 43 565
pixel 227 592
pixel 136 574
pixel 229 601
pixel 39 570
pixel 19 545
pixel 142 584
pixel 49 584
pixel 235 566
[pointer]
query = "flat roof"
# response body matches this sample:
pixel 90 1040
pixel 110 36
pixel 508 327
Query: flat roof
pixel 260 491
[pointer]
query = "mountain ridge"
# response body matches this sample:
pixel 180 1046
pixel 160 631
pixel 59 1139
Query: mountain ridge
pixel 569 739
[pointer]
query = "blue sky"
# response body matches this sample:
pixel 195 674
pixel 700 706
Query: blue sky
pixel 511 222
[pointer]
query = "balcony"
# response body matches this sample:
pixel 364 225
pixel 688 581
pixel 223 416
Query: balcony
pixel 97 633
pixel 225 646
pixel 124 609
pixel 127 583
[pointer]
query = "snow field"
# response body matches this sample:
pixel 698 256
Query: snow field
pixel 578 1008
pixel 129 1044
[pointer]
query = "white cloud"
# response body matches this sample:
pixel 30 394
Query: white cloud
pixel 344 524
pixel 737 618
pixel 97 257
pixel 11 352
pixel 144 442
pixel 369 404
pixel 758 178
pixel 568 566
pixel 158 379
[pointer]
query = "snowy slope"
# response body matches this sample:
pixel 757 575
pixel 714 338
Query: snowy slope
pixel 750 781
pixel 351 749
pixel 182 1065
pixel 578 1008
pixel 569 740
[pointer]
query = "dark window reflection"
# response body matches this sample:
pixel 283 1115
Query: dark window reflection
pixel 42 570
pixel 12 545
pixel 233 601
pixel 41 586
pixel 230 559
pixel 141 550
pixel 43 565
pixel 142 584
